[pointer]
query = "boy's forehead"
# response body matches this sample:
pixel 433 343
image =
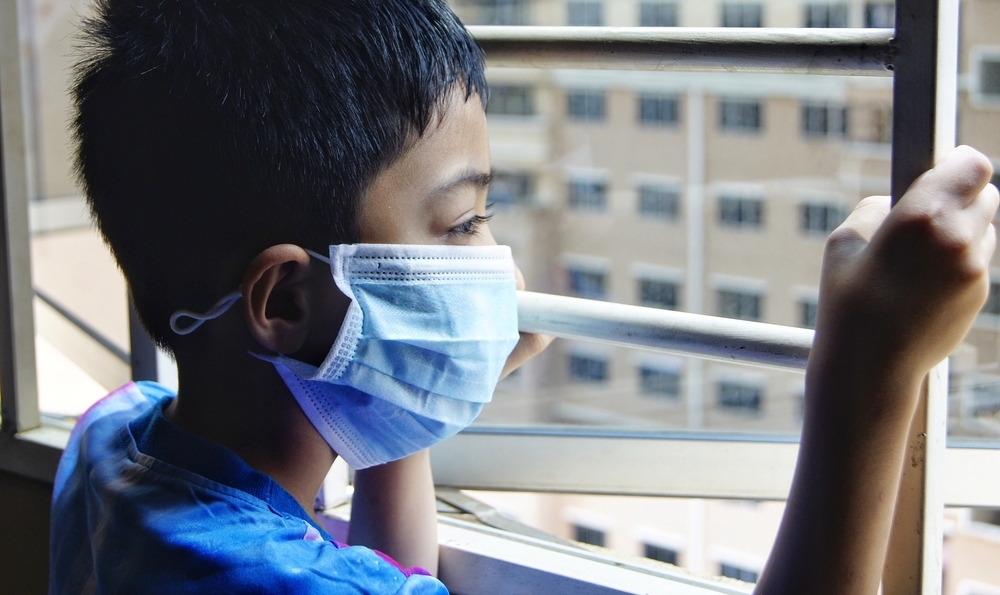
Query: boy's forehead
pixel 455 146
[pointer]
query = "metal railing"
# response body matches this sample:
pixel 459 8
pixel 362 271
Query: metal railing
pixel 815 51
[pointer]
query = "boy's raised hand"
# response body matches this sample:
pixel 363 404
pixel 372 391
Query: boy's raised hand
pixel 530 344
pixel 902 287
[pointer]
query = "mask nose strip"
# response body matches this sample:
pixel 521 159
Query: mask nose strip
pixel 215 311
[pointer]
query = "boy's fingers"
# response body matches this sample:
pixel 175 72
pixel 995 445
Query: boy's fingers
pixel 530 345
pixel 960 176
pixel 863 221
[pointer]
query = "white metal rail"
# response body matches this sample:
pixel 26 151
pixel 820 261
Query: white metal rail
pixel 665 330
pixel 841 51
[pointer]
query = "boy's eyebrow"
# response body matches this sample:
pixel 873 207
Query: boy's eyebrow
pixel 477 178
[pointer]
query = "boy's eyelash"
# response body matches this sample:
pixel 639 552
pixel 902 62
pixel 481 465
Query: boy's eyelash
pixel 471 226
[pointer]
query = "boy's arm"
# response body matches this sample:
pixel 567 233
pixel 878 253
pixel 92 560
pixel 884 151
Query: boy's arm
pixel 393 510
pixel 898 293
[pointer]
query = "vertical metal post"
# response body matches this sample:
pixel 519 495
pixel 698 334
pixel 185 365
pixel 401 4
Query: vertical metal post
pixel 143 350
pixel 18 384
pixel 695 206
pixel 924 96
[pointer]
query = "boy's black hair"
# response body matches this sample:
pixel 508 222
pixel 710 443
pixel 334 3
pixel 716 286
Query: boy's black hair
pixel 208 131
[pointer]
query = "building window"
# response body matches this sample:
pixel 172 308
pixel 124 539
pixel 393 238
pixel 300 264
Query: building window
pixel 503 12
pixel 741 211
pixel 820 218
pixel 588 535
pixel 511 188
pixel 659 294
pixel 807 313
pixel 587 106
pixel 824 120
pixel 588 195
pixel 992 305
pixel 658 110
pixel 585 14
pixel 744 305
pixel 880 15
pixel 657 14
pixel 511 100
pixel 738 573
pixel 742 15
pixel 663 554
pixel 826 15
pixel 739 115
pixel 659 201
pixel 587 369
pixel 660 383
pixel 745 398
pixel 989 77
pixel 587 283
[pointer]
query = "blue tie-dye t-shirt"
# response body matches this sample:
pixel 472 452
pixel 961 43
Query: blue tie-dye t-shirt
pixel 141 506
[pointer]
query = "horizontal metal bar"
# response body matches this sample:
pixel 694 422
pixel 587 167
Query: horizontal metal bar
pixel 639 466
pixel 90 331
pixel 819 51
pixel 474 557
pixel 666 330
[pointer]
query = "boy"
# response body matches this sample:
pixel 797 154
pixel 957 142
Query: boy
pixel 229 150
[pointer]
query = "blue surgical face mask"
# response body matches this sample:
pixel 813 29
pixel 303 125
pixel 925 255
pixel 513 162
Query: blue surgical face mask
pixel 420 350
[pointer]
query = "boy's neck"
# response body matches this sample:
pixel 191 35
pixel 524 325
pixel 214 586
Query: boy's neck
pixel 246 408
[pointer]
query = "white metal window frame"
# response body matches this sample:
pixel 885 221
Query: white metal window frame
pixel 923 56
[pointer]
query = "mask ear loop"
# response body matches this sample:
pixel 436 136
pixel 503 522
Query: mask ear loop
pixel 220 308
pixel 216 311
pixel 325 259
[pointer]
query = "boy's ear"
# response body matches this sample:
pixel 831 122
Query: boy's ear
pixel 276 297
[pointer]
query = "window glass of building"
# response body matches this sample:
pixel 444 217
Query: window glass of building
pixel 826 15
pixel 992 305
pixel 511 189
pixel 588 535
pixel 824 120
pixel 661 202
pixel 588 195
pixel 587 283
pixel 503 12
pixel 740 397
pixel 820 218
pixel 585 106
pixel 584 14
pixel 657 14
pixel 584 368
pixel 880 15
pixel 511 100
pixel 738 573
pixel 740 14
pixel 807 313
pixel 657 110
pixel 739 115
pixel 659 294
pixel 741 211
pixel 989 77
pixel 732 303
pixel 661 383
pixel 663 554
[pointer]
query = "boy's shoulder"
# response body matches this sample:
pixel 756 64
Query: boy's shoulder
pixel 139 505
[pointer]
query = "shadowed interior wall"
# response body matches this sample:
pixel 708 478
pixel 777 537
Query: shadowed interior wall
pixel 24 535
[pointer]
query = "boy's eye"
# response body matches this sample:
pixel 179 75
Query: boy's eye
pixel 470 226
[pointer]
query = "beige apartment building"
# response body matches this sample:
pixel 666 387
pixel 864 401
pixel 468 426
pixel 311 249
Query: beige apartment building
pixel 704 192
pixel 710 193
